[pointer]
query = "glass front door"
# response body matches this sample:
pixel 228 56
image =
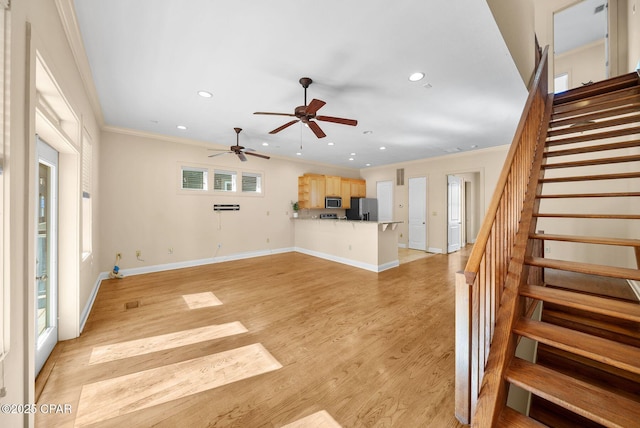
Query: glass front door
pixel 46 293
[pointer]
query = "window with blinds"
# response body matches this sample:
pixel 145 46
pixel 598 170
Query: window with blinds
pixel 194 178
pixel 224 181
pixel 251 182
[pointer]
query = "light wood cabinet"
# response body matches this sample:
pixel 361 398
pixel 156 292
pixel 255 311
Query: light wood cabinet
pixel 313 188
pixel 345 193
pixel 358 188
pixel 332 185
pixel 311 191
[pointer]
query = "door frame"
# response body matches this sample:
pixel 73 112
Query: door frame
pixel 48 156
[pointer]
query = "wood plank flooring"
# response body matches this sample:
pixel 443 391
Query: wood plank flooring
pixel 345 346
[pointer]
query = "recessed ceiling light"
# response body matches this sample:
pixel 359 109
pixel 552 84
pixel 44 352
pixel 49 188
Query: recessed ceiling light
pixel 330 144
pixel 350 159
pixel 383 148
pixel 367 132
pixel 416 76
pixel 298 154
pixel 181 127
pixel 352 154
pixel 474 146
pixel 367 164
pixel 205 94
pixel 265 144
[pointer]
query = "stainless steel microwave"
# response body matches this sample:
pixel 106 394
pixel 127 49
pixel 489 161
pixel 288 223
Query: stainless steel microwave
pixel 332 202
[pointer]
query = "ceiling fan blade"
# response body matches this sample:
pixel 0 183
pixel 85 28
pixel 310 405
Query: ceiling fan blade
pixel 242 157
pixel 286 125
pixel 316 129
pixel 340 120
pixel 218 154
pixel 314 106
pixel 257 155
pixel 275 114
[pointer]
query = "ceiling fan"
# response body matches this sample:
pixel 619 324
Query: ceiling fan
pixel 238 149
pixel 306 113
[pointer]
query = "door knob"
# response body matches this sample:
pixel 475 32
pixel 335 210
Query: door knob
pixel 42 277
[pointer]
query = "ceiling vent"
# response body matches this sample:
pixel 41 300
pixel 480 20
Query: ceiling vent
pixel 598 9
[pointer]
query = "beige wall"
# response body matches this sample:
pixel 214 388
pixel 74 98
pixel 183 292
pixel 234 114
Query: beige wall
pixel 37 32
pixel 585 64
pixel 515 20
pixel 487 163
pixel 142 207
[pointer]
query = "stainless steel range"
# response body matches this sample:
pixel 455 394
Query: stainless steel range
pixel 329 216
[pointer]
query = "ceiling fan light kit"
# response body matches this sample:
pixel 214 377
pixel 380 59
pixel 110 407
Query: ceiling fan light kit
pixel 307 113
pixel 239 150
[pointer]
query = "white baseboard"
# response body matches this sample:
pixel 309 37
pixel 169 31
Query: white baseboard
pixel 92 298
pixel 344 261
pixel 435 250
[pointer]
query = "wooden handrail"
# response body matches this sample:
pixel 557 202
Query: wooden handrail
pixel 480 287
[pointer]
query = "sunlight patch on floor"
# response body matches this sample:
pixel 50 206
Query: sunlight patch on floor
pixel 160 385
pixel 132 348
pixel 321 419
pixel 201 300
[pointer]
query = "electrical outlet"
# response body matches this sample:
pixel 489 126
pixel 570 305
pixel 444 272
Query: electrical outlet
pixel 267 240
pixel 219 245
pixel 547 250
pixel 119 255
pixel 138 253
pixel 170 250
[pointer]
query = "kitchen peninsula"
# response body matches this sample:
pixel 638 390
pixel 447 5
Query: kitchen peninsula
pixel 369 245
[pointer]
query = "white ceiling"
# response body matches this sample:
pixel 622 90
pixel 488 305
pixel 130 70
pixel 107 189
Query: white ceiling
pixel 149 58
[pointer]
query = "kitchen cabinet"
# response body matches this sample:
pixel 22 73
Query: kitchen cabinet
pixel 311 191
pixel 332 185
pixel 358 188
pixel 345 193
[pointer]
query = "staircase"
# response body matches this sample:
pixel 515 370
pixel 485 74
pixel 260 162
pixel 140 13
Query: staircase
pixel 587 370
pixel 584 193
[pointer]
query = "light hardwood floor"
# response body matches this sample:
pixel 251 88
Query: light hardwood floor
pixel 295 339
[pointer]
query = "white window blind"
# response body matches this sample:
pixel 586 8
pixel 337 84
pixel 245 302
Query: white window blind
pixel 251 182
pixel 194 178
pixel 224 181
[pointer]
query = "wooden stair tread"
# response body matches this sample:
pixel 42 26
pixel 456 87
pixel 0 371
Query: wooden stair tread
pixel 595 136
pixel 591 149
pixel 578 396
pixel 581 127
pixel 620 176
pixel 589 162
pixel 623 332
pixel 596 90
pixel 590 195
pixel 600 114
pixel 621 98
pixel 582 215
pixel 509 418
pixel 588 268
pixel 625 242
pixel 586 302
pixel 619 355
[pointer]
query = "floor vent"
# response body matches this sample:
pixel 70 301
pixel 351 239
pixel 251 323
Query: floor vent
pixel 132 305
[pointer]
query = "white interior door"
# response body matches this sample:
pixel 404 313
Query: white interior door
pixel 385 200
pixel 418 213
pixel 46 293
pixel 454 209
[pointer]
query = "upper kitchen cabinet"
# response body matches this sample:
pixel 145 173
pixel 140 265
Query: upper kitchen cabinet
pixel 311 191
pixel 333 185
pixel 345 193
pixel 358 188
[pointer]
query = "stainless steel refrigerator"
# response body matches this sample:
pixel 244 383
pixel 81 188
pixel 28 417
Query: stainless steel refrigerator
pixel 363 209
